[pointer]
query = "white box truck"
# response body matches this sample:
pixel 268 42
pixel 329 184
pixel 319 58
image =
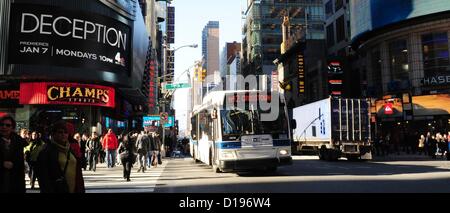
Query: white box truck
pixel 334 128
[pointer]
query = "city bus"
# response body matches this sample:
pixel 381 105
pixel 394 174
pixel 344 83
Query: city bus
pixel 230 131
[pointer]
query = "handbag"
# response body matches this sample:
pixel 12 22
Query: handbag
pixel 61 185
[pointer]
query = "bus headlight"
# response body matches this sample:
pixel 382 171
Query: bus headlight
pixel 283 152
pixel 227 155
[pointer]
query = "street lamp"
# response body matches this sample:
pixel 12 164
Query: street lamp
pixel 165 46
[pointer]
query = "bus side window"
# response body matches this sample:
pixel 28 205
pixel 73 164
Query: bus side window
pixel 194 127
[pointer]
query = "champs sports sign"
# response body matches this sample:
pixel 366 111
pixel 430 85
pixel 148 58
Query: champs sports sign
pixel 45 35
pixel 66 94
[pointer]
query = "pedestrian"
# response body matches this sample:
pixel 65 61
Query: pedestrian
pixel 12 167
pixel 142 144
pixel 83 143
pixel 421 144
pixel 127 156
pixel 25 134
pixel 432 147
pixel 154 150
pixel 58 168
pixel 93 147
pixel 31 153
pixel 110 144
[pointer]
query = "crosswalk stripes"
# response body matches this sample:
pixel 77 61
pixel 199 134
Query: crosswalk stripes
pixel 110 180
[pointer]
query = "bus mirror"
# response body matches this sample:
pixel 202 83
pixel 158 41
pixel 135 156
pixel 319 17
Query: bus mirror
pixel 214 114
pixel 293 124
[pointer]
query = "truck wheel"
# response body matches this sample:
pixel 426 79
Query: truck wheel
pixel 334 155
pixel 216 169
pixel 320 155
pixel 323 153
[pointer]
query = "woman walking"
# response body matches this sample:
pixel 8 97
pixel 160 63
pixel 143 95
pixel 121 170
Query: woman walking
pixel 127 156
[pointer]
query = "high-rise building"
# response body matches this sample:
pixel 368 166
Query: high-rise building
pixel 227 56
pixel 348 82
pixel 210 47
pixel 403 51
pixel 262 30
pixel 230 52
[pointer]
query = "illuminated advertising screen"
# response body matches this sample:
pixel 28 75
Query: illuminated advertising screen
pixel 431 105
pixel 46 35
pixel 155 119
pixel 392 107
pixel 9 94
pixel 368 15
pixel 66 94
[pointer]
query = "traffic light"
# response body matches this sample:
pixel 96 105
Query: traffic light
pixel 196 73
pixel 285 86
pixel 203 76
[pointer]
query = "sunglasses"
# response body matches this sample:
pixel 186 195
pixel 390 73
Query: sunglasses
pixel 5 125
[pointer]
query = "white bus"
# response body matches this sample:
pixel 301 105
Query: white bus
pixel 230 132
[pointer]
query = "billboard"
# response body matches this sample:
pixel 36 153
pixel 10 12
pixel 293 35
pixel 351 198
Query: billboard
pixel 155 119
pixel 391 107
pixel 66 94
pixel 9 94
pixel 431 105
pixel 368 15
pixel 45 35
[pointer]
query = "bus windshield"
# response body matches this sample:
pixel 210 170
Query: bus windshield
pixel 237 122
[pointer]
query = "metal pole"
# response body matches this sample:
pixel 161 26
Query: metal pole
pixel 163 150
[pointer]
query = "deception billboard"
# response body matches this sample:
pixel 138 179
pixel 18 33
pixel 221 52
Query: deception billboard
pixel 46 35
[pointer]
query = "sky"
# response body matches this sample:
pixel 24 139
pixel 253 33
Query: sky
pixel 191 16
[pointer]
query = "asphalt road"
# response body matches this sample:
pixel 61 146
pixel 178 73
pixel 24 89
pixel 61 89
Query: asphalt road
pixel 397 174
pixel 401 174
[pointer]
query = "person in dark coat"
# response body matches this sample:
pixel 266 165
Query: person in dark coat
pixel 58 169
pixel 93 147
pixel 127 156
pixel 12 166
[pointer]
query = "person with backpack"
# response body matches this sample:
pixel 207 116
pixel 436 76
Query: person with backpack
pixel 58 168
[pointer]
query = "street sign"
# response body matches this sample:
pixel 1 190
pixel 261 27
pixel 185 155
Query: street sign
pixel 177 86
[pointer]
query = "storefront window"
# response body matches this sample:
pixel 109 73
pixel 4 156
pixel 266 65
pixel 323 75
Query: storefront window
pixel 398 53
pixel 435 53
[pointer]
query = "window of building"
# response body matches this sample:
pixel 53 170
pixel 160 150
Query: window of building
pixel 330 35
pixel 376 83
pixel 338 5
pixel 340 29
pixel 329 8
pixel 398 56
pixel 435 53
